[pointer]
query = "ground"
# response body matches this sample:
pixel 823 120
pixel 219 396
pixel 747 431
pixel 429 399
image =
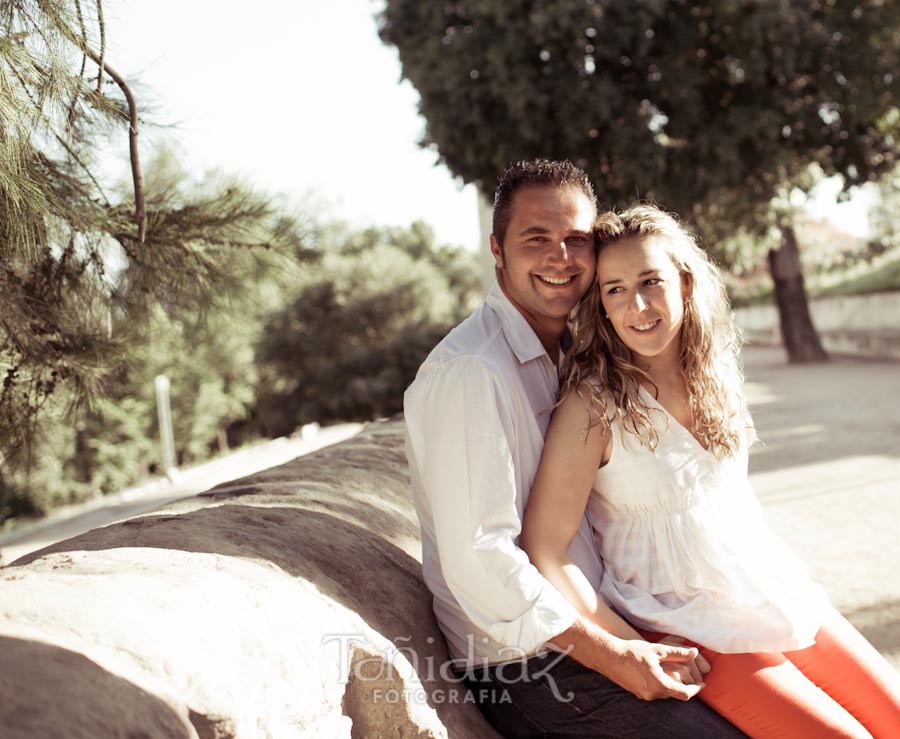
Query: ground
pixel 828 475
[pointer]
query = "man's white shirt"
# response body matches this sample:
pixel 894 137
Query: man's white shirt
pixel 476 416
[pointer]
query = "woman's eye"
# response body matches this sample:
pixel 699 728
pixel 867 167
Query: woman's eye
pixel 652 281
pixel 614 290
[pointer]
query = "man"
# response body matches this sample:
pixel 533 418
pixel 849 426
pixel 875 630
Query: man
pixel 476 417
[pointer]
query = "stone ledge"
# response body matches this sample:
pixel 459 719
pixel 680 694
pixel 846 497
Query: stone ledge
pixel 287 604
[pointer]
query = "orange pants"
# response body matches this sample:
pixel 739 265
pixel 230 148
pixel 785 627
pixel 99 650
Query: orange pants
pixel 839 687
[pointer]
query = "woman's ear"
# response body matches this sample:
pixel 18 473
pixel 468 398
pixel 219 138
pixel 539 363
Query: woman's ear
pixel 687 286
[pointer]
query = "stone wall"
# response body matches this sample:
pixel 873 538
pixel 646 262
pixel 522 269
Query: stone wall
pixel 863 325
pixel 287 604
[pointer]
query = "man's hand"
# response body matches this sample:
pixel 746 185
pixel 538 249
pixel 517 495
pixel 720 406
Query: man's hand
pixel 652 671
pixel 649 670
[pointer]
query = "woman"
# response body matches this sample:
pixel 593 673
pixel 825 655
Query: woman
pixel 650 441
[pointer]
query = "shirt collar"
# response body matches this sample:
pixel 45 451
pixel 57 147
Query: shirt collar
pixel 521 337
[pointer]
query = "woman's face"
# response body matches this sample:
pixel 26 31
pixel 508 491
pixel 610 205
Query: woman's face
pixel 642 293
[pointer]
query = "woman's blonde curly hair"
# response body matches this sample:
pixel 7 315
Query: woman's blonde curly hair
pixel 600 366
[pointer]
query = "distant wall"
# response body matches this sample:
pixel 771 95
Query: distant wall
pixel 862 325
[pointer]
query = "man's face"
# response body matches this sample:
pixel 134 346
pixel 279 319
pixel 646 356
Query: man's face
pixel 548 258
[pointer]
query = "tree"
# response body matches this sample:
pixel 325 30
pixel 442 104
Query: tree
pixel 82 268
pixel 351 339
pixel 715 109
pixel 112 442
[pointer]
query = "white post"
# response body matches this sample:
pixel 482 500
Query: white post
pixel 166 436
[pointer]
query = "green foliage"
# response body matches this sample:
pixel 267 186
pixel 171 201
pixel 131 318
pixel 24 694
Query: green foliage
pixel 351 340
pixel 101 290
pixel 209 360
pixel 711 108
pixel 881 274
pixel 885 216
pixel 80 279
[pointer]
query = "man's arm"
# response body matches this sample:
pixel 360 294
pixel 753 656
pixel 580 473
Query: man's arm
pixel 646 669
pixel 460 425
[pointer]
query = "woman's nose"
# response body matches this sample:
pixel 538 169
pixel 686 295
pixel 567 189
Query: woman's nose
pixel 638 303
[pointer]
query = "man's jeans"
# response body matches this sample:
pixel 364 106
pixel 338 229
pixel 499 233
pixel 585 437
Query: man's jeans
pixel 552 695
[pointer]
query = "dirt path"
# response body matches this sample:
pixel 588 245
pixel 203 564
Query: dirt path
pixel 828 476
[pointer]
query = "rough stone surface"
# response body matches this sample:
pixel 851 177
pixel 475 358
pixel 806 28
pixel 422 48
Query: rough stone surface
pixel 288 604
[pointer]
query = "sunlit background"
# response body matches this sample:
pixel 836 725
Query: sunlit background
pixel 300 97
pixel 304 253
pixel 303 98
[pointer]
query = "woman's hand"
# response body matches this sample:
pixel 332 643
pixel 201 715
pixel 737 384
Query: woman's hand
pixel 696 668
pixel 653 670
pixel 648 670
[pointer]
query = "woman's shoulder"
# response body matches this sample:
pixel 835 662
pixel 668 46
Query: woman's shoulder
pixel 587 389
pixel 590 396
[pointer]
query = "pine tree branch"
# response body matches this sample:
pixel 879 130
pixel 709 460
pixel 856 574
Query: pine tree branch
pixel 102 25
pixel 61 140
pixel 71 117
pixel 140 214
pixel 84 166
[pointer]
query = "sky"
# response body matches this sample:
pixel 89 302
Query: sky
pixel 300 97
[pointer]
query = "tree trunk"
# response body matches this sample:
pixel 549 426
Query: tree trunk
pixel 798 333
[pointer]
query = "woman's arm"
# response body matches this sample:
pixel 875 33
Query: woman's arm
pixel 558 498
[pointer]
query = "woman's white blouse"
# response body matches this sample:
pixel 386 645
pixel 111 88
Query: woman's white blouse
pixel 687 551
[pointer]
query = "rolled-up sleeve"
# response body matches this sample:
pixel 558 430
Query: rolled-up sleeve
pixel 461 427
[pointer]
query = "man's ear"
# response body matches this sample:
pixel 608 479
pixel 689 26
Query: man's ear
pixel 497 251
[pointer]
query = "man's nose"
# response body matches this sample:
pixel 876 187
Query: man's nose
pixel 559 253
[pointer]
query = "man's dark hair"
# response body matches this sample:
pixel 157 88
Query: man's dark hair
pixel 539 173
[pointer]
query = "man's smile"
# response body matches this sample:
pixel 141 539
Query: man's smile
pixel 556 280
